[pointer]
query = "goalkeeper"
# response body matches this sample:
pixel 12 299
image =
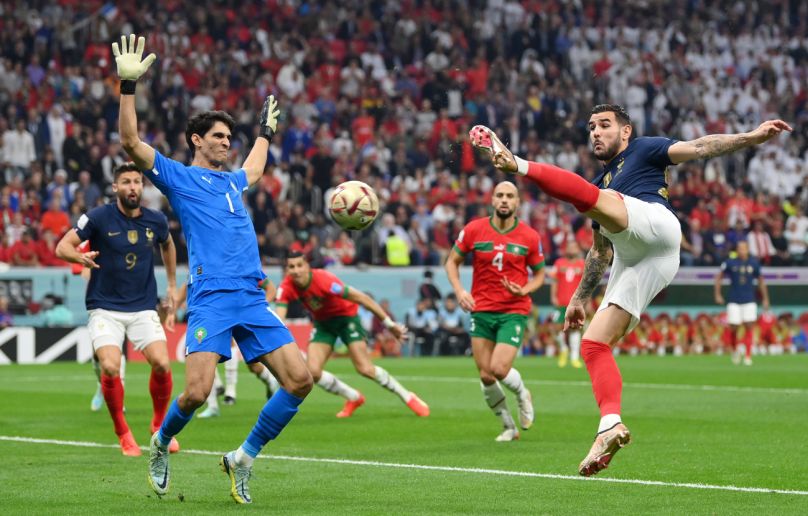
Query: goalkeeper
pixel 224 296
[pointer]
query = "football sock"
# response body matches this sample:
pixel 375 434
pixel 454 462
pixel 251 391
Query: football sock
pixel 113 395
pixel 97 368
pixel 160 385
pixel 608 421
pixel 562 342
pixel 575 345
pixel 270 381
pixel 563 185
pixel 607 384
pixel 231 376
pixel 276 414
pixel 173 423
pixel 513 381
pixel 387 381
pixel 733 339
pixel 747 342
pixel 495 399
pixel 334 385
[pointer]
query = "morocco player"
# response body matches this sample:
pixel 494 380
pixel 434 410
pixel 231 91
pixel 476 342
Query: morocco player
pixel 334 307
pixel 567 273
pixel 629 201
pixel 504 249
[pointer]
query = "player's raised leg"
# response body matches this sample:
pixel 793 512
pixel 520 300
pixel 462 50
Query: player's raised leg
pixel 317 356
pixel 364 366
pixel 606 328
pixel 278 411
pixel 109 356
pixel 482 350
pixel 501 366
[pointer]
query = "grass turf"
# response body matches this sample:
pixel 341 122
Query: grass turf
pixel 744 432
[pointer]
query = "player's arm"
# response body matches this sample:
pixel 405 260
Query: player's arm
pixel 281 310
pixel 597 260
pixel 269 289
pixel 714 145
pixel 169 254
pixel 130 69
pixel 554 289
pixel 268 123
pixel 531 286
pixel 67 250
pixel 764 293
pixel 719 299
pixel 452 266
pixel 399 331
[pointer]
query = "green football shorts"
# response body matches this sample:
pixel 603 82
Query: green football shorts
pixel 346 329
pixel 499 328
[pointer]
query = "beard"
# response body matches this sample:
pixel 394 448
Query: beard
pixel 504 215
pixel 607 153
pixel 129 204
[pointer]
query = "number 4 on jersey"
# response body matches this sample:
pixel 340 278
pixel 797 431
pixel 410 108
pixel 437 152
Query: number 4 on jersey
pixel 497 261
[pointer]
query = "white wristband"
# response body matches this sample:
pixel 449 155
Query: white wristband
pixel 521 165
pixel 388 323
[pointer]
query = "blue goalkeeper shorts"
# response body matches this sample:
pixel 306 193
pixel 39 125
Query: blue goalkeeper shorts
pixel 243 314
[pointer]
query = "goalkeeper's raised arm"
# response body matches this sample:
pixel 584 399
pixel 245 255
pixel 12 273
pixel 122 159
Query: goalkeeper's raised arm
pixel 131 67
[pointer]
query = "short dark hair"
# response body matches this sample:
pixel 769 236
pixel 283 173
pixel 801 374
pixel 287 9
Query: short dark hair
pixel 294 254
pixel 619 111
pixel 200 124
pixel 129 166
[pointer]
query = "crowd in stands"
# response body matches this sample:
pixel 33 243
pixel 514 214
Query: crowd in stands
pixel 385 92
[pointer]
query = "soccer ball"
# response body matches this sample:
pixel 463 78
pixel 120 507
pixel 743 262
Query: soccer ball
pixel 353 205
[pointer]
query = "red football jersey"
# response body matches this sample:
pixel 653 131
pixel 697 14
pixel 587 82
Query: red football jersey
pixel 568 273
pixel 324 296
pixel 498 254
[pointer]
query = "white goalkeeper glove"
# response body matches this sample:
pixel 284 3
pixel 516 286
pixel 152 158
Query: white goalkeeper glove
pixel 131 65
pixel 269 117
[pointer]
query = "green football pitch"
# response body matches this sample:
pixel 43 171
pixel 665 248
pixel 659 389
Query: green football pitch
pixel 709 438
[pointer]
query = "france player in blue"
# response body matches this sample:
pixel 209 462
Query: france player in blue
pixel 122 294
pixel 225 298
pixel 629 202
pixel 744 276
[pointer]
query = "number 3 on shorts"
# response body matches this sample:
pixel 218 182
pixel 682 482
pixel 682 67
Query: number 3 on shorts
pixel 497 261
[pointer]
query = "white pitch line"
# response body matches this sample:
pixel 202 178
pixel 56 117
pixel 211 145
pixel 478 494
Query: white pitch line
pixel 451 469
pixel 583 383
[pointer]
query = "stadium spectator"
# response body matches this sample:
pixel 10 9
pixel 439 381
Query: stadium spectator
pixel 24 251
pixel 422 321
pixel 428 291
pixel 453 337
pixel 55 219
pixel 6 319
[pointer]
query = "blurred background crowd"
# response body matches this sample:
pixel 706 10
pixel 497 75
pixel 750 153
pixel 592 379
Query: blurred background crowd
pixel 385 92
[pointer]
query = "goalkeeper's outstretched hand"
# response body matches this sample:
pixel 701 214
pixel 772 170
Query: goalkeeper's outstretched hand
pixel 268 120
pixel 131 65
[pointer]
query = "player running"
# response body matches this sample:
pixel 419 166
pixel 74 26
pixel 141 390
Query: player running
pixel 742 272
pixel 567 273
pixel 224 297
pixel 121 295
pixel 504 249
pixel 333 307
pixel 629 201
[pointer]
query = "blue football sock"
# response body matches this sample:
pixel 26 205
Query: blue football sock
pixel 276 414
pixel 173 423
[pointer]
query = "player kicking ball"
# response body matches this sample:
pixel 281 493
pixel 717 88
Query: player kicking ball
pixel 122 293
pixel 504 250
pixel 225 300
pixel 629 202
pixel 333 307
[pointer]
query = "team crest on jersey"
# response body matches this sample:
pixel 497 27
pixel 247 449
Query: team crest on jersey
pixel 149 235
pixel 131 235
pixel 200 334
pixel 315 303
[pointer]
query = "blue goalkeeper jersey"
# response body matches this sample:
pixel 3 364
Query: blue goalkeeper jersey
pixel 222 247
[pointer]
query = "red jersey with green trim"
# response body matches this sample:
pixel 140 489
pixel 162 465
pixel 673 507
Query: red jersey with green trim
pixel 567 275
pixel 508 254
pixel 324 296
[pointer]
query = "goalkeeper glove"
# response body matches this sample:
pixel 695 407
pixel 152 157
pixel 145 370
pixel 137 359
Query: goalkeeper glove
pixel 268 120
pixel 130 64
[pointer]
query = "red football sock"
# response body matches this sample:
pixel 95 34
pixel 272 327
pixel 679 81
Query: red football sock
pixel 733 339
pixel 607 384
pixel 747 341
pixel 564 185
pixel 160 385
pixel 113 395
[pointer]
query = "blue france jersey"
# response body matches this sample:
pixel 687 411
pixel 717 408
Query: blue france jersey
pixel 742 276
pixel 222 247
pixel 639 171
pixel 125 282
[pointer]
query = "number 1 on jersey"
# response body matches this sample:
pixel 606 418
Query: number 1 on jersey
pixel 497 261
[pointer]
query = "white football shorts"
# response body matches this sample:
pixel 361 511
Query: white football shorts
pixel 739 313
pixel 108 327
pixel 646 257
